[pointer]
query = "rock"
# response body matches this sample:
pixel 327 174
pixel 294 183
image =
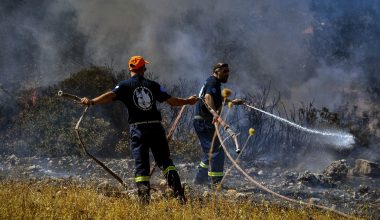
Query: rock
pixel 13 160
pixel 363 189
pixel 291 176
pixel 240 196
pixel 366 168
pixel 314 200
pixel 32 167
pixel 103 186
pixel 327 181
pixel 337 170
pixel 162 183
pixel 206 195
pixel 251 170
pixel 167 193
pixel 350 172
pixel 260 173
pixel 12 157
pixel 231 192
pixel 377 201
pixel 309 179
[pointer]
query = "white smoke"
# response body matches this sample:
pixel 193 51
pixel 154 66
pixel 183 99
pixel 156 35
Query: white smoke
pixel 261 40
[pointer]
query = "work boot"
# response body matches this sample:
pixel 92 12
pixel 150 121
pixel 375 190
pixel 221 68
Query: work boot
pixel 215 183
pixel 174 183
pixel 180 195
pixel 216 187
pixel 200 181
pixel 143 192
pixel 201 178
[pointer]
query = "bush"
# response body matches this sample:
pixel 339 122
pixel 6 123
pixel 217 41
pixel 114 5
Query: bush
pixel 45 124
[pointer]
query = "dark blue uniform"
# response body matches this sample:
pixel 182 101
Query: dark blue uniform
pixel 211 165
pixel 139 96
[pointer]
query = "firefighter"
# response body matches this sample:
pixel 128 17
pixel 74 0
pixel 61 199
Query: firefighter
pixel 210 169
pixel 146 132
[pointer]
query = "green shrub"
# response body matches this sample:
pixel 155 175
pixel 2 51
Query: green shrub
pixel 45 126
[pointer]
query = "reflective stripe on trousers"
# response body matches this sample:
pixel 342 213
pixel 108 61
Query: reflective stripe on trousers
pixel 142 179
pixel 169 168
pixel 205 131
pixel 214 174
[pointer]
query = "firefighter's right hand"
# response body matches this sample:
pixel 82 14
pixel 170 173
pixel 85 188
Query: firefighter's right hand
pixel 192 100
pixel 215 119
pixel 86 101
pixel 237 101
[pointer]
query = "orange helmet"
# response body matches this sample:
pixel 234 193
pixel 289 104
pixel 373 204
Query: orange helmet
pixel 136 62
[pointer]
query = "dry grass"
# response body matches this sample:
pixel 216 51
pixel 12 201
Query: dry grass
pixel 36 200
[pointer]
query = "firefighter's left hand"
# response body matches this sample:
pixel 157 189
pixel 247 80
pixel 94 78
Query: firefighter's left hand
pixel 86 101
pixel 192 100
pixel 215 120
pixel 237 101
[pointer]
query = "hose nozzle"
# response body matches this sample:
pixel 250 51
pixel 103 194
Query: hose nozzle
pixel 70 96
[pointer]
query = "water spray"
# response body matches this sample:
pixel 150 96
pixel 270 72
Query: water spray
pixel 234 162
pixel 341 139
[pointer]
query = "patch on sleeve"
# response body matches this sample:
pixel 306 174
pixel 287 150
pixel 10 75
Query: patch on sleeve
pixel 162 89
pixel 202 91
pixel 213 90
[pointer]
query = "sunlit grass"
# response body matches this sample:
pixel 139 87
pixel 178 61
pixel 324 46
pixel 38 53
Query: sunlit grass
pixel 38 200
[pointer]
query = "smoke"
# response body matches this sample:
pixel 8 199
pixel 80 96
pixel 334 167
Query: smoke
pixel 260 40
pixel 330 85
pixel 307 49
pixel 323 50
pixel 39 43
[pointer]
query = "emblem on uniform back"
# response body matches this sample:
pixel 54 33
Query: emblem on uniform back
pixel 143 98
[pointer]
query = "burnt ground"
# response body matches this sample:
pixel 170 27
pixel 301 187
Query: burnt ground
pixel 351 194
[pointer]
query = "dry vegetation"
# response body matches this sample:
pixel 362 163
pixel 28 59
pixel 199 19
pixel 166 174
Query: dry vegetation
pixel 40 126
pixel 32 200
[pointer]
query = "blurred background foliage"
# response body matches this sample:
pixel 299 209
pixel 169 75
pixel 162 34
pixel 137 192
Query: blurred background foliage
pixel 42 123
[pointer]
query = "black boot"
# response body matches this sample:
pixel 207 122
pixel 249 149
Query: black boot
pixel 143 192
pixel 215 183
pixel 201 178
pixel 174 183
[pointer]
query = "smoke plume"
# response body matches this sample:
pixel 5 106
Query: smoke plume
pixel 307 49
pixel 321 51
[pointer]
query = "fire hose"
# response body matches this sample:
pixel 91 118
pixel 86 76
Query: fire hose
pixel 78 99
pixel 224 124
pixel 77 131
pixel 171 132
pixel 234 162
pixel 268 190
